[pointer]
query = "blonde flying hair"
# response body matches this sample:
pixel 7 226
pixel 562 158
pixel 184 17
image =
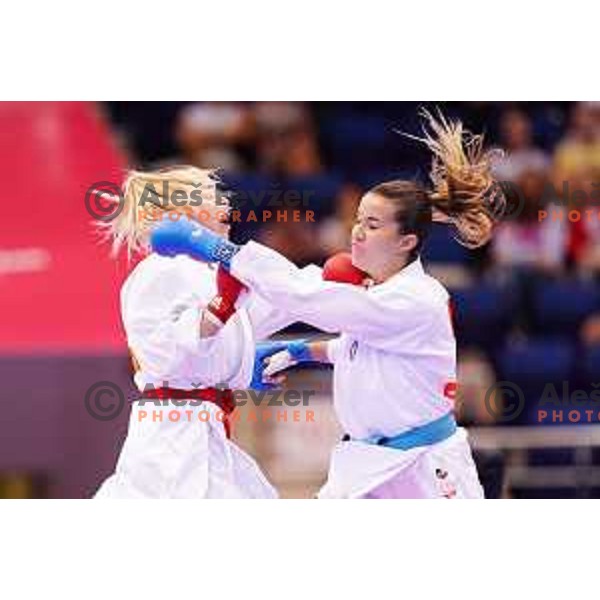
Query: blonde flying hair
pixel 143 204
pixel 464 193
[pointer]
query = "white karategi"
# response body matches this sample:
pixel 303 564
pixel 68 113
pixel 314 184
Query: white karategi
pixel 161 305
pixel 394 370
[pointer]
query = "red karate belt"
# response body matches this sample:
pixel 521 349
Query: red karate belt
pixel 221 398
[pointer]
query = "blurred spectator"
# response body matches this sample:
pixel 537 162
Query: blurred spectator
pixel 527 247
pixel 521 155
pixel 527 241
pixel 582 213
pixel 334 231
pixel 475 377
pixel 590 330
pixel 577 158
pixel 286 146
pixel 576 176
pixel 215 134
pixel 522 240
pixel 286 140
pixel 588 258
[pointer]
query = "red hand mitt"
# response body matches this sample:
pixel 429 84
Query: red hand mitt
pixel 339 268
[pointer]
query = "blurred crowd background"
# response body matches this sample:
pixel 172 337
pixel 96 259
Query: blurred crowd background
pixel 527 305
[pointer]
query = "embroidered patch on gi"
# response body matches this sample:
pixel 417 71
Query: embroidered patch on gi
pixel 446 488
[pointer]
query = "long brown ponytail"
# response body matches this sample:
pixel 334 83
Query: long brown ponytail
pixel 463 195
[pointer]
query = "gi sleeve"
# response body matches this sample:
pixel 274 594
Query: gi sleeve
pixel 267 318
pixel 388 321
pixel 161 315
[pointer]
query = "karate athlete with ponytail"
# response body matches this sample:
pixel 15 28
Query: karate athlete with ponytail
pixel 190 326
pixel 394 376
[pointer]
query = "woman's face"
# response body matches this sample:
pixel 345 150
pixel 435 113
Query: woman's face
pixel 516 130
pixel 378 248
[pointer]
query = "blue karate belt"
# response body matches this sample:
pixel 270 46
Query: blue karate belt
pixel 425 435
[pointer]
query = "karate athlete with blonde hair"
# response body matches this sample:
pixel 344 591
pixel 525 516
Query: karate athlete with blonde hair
pixel 190 327
pixel 394 376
